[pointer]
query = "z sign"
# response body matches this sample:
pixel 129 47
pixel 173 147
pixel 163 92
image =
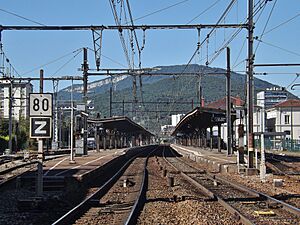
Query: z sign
pixel 40 127
pixel 40 112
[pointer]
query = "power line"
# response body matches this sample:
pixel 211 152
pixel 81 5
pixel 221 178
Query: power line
pixel 53 61
pixel 22 17
pixel 264 29
pixel 204 11
pixel 161 10
pixel 275 46
pixel 283 23
pixel 73 57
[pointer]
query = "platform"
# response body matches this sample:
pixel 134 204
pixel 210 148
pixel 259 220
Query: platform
pixel 83 164
pixel 217 161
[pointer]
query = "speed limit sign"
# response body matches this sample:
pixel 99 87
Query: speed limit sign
pixel 40 104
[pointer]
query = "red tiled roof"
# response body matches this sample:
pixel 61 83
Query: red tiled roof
pixel 221 103
pixel 288 103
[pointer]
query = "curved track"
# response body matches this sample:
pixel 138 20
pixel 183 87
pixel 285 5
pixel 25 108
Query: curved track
pixel 118 201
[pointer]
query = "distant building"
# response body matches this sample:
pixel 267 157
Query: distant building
pixel 285 117
pixel 20 94
pixel 168 129
pixel 238 106
pixel 176 119
pixel 271 97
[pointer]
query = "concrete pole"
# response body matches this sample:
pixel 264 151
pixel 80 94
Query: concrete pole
pixel 72 127
pixel 250 85
pixel 219 137
pixel 104 142
pixel 211 138
pixel 262 151
pixel 40 149
pixel 228 108
pixel 85 86
pixel 10 145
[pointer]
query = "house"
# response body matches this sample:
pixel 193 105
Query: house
pixel 285 117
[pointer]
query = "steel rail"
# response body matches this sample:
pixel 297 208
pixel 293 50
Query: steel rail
pixel 286 206
pixel 210 194
pixel 139 201
pixel 84 205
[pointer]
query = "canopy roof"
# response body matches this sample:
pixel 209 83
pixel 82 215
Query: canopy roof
pixel 199 118
pixel 120 124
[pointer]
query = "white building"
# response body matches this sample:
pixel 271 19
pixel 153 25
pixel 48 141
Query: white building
pixel 271 97
pixel 175 119
pixel 20 94
pixel 285 117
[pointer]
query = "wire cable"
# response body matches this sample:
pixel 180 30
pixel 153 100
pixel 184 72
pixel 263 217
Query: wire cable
pixel 275 46
pixel 283 23
pixel 51 62
pixel 264 29
pixel 22 17
pixel 161 10
pixel 60 68
pixel 204 11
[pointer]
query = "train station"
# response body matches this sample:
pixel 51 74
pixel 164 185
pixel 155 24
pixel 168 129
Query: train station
pixel 149 112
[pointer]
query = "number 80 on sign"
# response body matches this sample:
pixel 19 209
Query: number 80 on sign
pixel 40 104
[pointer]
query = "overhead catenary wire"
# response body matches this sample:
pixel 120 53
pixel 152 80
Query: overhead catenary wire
pixel 265 27
pixel 235 33
pixel 52 61
pixel 278 47
pixel 281 24
pixel 71 59
pixel 160 10
pixel 204 11
pixel 22 17
pixel 117 21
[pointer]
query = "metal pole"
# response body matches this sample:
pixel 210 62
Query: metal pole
pixel 10 146
pixel 72 127
pixel 262 148
pixel 110 102
pixel 250 85
pixel 123 112
pixel 228 109
pixel 40 149
pixel 85 84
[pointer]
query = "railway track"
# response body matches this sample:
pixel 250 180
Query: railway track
pixel 117 201
pixel 246 205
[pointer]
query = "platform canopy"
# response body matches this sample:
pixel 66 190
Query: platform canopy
pixel 121 124
pixel 199 119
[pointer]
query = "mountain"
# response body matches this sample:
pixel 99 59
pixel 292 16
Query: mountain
pixel 161 96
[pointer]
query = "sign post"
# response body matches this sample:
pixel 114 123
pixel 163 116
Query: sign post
pixel 40 112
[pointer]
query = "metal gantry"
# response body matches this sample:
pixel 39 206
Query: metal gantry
pixel 249 26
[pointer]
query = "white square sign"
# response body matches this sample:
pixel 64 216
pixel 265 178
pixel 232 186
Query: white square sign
pixel 40 104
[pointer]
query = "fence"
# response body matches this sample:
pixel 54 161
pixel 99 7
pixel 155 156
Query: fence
pixel 279 144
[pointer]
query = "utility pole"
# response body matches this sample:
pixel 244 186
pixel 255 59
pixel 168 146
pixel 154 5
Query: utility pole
pixel 110 96
pixel 200 90
pixel 85 85
pixel 228 106
pixel 250 90
pixel 262 148
pixel 10 146
pixel 40 149
pixel 72 127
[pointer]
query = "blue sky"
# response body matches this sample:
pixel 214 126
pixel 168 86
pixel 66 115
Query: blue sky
pixel 29 50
